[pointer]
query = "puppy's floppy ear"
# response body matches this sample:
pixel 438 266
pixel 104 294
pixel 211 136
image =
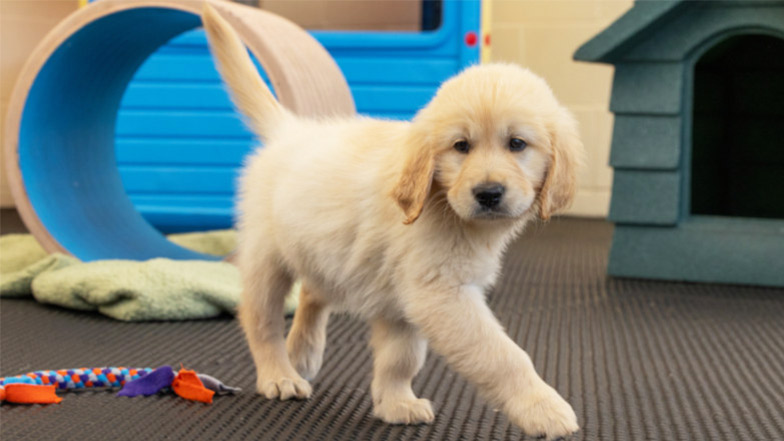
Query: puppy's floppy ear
pixel 414 183
pixel 560 182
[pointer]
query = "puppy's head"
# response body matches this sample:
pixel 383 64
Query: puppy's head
pixel 497 142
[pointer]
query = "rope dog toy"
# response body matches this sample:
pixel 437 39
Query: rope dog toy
pixel 39 387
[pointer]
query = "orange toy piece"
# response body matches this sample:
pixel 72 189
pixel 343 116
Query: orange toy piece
pixel 23 393
pixel 188 385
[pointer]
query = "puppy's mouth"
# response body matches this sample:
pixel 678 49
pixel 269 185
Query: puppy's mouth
pixel 494 213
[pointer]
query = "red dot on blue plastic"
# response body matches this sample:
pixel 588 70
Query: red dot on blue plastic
pixel 470 38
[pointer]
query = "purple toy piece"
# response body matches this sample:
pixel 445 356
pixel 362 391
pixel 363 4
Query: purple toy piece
pixel 149 384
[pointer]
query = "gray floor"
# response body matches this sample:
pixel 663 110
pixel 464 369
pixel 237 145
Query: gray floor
pixel 639 360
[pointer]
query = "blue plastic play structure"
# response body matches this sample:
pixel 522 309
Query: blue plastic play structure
pixel 67 131
pixel 179 144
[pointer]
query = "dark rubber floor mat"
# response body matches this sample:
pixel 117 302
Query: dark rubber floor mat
pixel 639 360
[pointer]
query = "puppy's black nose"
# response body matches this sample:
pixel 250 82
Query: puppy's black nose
pixel 489 194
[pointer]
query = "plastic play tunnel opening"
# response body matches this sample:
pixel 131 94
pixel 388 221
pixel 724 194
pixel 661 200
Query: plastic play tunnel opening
pixel 66 139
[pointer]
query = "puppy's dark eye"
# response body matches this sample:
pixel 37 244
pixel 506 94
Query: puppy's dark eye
pixel 517 145
pixel 462 146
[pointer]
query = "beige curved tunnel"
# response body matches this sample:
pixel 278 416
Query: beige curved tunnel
pixel 60 125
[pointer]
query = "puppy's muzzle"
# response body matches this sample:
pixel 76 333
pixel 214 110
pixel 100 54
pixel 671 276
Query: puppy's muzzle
pixel 489 195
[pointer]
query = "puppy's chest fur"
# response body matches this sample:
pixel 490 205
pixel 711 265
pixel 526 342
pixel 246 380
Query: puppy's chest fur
pixel 366 271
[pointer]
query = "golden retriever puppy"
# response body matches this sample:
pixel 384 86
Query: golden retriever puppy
pixel 402 224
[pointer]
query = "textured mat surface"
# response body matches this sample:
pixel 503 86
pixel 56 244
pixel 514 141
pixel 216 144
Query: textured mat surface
pixel 639 360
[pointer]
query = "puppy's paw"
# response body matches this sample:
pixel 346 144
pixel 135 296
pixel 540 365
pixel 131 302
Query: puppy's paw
pixel 544 414
pixel 284 387
pixel 306 359
pixel 413 411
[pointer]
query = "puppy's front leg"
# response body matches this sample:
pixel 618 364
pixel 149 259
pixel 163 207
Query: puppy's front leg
pixel 459 325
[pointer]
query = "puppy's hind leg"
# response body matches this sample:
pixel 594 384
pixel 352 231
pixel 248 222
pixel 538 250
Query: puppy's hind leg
pixel 307 338
pixel 265 285
pixel 399 353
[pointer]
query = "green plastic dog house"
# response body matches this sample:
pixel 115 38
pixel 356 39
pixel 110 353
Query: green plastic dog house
pixel 698 140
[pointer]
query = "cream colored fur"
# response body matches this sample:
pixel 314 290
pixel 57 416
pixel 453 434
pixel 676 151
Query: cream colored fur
pixel 378 219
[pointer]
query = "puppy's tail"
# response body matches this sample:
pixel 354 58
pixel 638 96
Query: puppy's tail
pixel 248 91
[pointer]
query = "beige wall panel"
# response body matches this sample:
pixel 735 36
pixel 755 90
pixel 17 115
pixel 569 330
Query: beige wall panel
pixel 543 36
pixel 23 23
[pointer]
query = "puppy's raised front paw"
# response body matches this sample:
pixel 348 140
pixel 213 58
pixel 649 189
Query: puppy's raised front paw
pixel 284 387
pixel 404 411
pixel 543 413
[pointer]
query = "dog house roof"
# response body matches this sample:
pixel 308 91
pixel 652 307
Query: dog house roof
pixel 678 26
pixel 627 30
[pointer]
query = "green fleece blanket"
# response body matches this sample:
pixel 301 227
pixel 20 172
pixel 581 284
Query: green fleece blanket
pixel 157 289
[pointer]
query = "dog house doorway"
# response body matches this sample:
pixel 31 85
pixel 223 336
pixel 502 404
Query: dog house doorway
pixel 737 161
